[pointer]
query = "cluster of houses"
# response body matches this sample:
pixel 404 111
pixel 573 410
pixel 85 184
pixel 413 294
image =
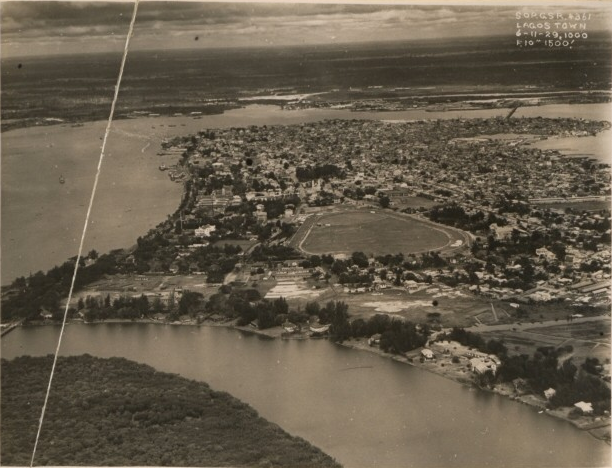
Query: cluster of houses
pixel 400 160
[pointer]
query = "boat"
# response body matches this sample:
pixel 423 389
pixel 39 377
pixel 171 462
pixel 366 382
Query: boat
pixel 62 180
pixel 163 167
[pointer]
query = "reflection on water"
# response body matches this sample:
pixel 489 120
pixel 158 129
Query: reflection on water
pixel 362 409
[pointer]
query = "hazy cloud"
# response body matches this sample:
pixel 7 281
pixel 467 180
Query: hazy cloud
pixel 32 27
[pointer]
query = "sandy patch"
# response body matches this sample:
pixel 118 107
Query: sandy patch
pixel 289 289
pixel 393 307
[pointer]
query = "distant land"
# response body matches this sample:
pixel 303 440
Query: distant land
pixel 110 412
pixel 77 88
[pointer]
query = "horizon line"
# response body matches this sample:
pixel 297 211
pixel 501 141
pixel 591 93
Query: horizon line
pixel 603 34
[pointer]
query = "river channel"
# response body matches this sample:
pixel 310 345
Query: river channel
pixel 42 219
pixel 362 409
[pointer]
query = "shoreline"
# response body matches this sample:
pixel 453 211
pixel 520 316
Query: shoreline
pixel 465 103
pixel 583 423
pixel 598 428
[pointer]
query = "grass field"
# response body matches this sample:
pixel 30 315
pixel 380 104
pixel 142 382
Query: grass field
pixel 588 339
pixel 455 309
pixel 375 233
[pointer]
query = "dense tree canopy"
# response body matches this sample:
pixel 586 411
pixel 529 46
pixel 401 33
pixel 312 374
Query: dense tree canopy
pixel 117 412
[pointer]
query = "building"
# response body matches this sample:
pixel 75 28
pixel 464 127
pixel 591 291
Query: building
pixel 205 231
pixel 374 340
pixel 546 254
pixel 586 408
pixel 260 214
pixel 214 203
pixel 480 366
pixel 427 354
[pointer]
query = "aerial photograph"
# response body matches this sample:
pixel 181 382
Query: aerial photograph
pixel 306 234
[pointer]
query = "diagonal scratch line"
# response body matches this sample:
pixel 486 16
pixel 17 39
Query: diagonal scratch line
pixel 91 200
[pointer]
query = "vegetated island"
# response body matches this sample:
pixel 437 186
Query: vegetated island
pixel 117 412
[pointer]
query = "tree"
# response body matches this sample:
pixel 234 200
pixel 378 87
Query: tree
pixel 338 267
pixel 486 379
pixel 280 306
pixel 399 337
pixel 141 305
pixel 385 201
pixel 157 306
pixel 592 366
pixel 567 371
pixel 20 283
pixel 340 329
pixel 51 300
pixel 265 318
pixel 360 259
pixel 189 302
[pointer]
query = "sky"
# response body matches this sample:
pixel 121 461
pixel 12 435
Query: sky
pixel 46 28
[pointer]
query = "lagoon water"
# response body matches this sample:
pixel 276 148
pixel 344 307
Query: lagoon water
pixel 42 219
pixel 364 410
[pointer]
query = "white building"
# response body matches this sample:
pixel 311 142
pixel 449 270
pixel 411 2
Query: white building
pixel 205 231
pixel 587 408
pixel 427 353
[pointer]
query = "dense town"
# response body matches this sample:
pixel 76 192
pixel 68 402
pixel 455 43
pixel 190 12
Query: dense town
pixel 237 250
pixel 263 183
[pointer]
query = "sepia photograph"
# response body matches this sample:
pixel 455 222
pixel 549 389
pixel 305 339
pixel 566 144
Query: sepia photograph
pixel 305 234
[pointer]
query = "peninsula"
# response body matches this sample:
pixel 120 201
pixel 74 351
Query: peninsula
pixel 115 412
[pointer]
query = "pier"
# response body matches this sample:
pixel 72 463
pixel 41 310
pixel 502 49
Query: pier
pixel 10 327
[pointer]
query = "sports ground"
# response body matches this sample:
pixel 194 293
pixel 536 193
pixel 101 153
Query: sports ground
pixel 375 233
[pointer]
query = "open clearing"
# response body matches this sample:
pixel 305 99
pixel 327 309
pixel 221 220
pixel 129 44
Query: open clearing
pixel 134 285
pixel 376 232
pixel 292 288
pixel 588 339
pixel 453 309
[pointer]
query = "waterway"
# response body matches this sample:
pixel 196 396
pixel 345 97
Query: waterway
pixel 42 219
pixel 364 410
pixel 598 147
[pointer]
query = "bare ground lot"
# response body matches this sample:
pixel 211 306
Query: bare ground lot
pixel 131 285
pixel 455 308
pixel 375 232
